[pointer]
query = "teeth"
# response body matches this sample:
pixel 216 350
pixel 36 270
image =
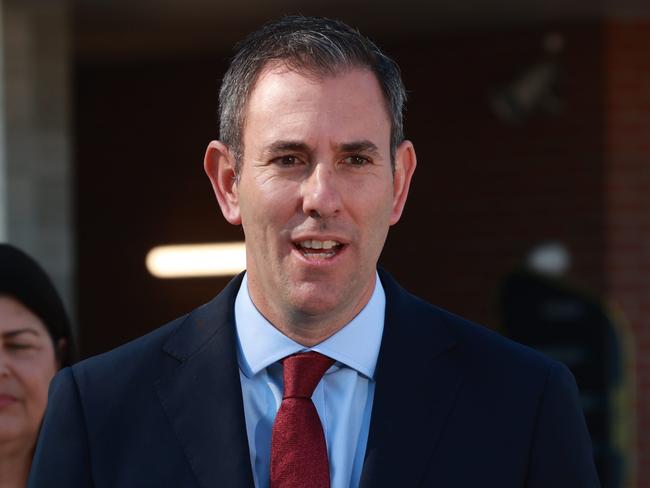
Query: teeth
pixel 313 244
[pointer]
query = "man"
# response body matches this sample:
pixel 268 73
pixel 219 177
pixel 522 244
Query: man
pixel 314 369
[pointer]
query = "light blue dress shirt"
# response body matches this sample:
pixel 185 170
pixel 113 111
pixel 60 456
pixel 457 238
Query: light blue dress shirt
pixel 343 398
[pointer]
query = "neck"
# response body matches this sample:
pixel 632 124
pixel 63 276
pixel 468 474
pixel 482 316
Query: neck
pixel 306 332
pixel 309 329
pixel 15 461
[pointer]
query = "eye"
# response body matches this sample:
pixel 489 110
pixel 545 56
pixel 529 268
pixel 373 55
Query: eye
pixel 18 346
pixel 356 160
pixel 287 161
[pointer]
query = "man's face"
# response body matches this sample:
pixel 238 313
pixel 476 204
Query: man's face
pixel 316 193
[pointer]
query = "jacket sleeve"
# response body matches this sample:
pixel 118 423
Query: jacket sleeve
pixel 561 454
pixel 62 456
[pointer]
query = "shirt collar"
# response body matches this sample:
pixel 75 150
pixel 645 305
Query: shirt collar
pixel 260 344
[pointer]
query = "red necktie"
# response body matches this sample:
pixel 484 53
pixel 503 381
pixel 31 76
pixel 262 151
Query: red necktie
pixel 298 450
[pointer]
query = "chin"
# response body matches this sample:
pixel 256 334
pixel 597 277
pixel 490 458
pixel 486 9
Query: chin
pixel 314 304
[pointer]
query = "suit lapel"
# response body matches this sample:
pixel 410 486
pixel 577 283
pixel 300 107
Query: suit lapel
pixel 202 394
pixel 418 379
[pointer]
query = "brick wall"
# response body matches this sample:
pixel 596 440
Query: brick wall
pixel 485 191
pixel 627 177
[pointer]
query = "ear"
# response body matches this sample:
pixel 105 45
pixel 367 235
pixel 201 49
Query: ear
pixel 405 162
pixel 219 165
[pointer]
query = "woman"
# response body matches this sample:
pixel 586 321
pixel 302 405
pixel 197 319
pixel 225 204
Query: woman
pixel 35 342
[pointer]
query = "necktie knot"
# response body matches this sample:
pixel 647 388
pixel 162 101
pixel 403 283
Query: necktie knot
pixel 302 372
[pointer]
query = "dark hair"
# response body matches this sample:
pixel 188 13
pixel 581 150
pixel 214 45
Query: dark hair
pixel 311 45
pixel 23 279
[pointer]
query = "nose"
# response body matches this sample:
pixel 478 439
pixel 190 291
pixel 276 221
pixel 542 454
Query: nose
pixel 321 197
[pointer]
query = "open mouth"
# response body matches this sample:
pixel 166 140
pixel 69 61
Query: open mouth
pixel 313 249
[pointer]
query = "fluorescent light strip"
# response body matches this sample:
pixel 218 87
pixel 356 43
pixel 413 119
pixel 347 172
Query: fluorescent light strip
pixel 197 260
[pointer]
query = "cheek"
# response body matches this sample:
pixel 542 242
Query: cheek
pixel 36 377
pixel 273 207
pixel 375 204
pixel 376 222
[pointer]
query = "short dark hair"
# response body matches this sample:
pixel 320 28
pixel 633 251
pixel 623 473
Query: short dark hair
pixel 312 45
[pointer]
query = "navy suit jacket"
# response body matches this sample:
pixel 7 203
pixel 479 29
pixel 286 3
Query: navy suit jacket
pixel 456 405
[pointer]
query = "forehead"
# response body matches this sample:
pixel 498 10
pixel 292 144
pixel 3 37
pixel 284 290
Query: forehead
pixel 285 103
pixel 14 315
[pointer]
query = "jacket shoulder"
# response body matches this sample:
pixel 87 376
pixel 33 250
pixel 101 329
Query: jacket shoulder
pixel 425 327
pixel 147 358
pixel 139 358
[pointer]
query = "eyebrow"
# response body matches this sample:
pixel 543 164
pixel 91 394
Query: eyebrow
pixel 359 146
pixel 298 146
pixel 286 146
pixel 14 333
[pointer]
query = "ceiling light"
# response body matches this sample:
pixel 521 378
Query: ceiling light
pixel 197 260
